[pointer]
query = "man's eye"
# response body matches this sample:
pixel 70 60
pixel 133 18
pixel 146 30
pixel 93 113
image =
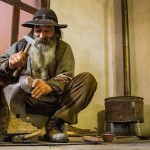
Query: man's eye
pixel 48 30
pixel 38 31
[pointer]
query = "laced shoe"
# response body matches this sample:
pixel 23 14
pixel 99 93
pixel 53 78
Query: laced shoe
pixel 55 131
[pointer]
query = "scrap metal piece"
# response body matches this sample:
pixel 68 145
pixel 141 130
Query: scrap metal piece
pixel 31 41
pixel 26 83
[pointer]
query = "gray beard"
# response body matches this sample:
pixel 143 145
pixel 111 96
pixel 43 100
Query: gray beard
pixel 43 55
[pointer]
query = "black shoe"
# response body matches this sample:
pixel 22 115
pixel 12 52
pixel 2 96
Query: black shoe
pixel 55 131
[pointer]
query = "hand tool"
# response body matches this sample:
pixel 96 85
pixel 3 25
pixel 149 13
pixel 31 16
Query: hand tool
pixel 30 42
pixel 29 137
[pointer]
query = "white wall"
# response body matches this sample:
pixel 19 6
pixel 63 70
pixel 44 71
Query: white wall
pixel 92 34
pixel 139 18
pixel 88 33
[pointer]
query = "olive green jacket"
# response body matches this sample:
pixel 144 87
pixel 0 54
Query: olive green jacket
pixel 64 63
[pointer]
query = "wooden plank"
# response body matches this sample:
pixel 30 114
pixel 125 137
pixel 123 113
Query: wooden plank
pixel 45 3
pixel 49 3
pixel 17 5
pixel 22 5
pixel 27 8
pixel 11 2
pixel 15 24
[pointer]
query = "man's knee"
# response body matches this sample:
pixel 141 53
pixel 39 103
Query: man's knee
pixel 87 80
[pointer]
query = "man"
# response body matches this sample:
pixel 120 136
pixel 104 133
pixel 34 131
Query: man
pixel 48 70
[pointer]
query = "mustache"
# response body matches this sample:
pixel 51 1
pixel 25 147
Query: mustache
pixel 45 40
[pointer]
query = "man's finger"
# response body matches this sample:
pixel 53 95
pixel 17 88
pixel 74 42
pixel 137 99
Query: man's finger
pixel 35 82
pixel 38 93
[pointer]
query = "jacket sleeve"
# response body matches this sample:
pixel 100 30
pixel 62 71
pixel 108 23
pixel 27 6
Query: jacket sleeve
pixel 4 61
pixel 65 68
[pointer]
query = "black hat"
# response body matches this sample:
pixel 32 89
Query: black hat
pixel 46 17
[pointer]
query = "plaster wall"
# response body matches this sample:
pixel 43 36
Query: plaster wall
pixel 139 18
pixel 94 32
pixel 89 32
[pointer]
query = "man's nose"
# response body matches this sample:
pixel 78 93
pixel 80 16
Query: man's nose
pixel 42 35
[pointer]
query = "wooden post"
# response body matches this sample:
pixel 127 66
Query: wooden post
pixel 15 22
pixel 45 3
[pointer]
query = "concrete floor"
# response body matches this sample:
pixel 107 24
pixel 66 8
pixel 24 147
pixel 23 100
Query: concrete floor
pixel 76 143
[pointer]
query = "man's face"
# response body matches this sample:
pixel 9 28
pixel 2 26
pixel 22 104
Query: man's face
pixel 44 33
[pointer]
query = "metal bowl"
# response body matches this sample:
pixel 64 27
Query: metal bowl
pixel 108 137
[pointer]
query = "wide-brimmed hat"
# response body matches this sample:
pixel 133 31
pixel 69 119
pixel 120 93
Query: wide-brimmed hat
pixel 46 17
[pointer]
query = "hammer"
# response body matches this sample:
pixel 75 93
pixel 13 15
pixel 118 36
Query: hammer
pixel 32 137
pixel 30 42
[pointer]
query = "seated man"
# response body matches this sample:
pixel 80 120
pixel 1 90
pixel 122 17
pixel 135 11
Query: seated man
pixel 48 70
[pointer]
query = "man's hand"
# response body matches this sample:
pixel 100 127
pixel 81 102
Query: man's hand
pixel 63 78
pixel 17 60
pixel 40 88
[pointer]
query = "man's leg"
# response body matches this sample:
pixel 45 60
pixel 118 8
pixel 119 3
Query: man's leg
pixel 76 97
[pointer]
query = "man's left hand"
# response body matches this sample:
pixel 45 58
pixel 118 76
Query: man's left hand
pixel 40 88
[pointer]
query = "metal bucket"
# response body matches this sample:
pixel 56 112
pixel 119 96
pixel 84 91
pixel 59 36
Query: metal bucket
pixel 124 109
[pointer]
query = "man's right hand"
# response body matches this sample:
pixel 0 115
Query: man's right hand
pixel 17 60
